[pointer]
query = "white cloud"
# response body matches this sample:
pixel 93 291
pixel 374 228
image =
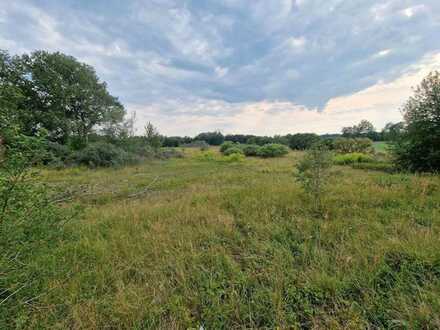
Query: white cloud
pixel 382 53
pixel 296 44
pixel 412 11
pixel 221 72
pixel 379 104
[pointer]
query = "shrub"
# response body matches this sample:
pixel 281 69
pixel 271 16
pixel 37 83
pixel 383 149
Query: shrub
pixel 56 155
pixel 250 149
pixel 103 154
pixel 233 150
pixel 226 145
pixel 352 158
pixel 30 228
pixel 206 156
pixel 272 150
pixel 314 173
pixel 233 158
pixel 303 141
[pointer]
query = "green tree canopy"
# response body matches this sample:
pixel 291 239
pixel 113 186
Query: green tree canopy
pixel 60 94
pixel 418 149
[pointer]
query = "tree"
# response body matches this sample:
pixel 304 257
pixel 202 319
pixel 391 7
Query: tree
pixel 10 98
pixel 313 173
pixel 212 138
pixel 61 95
pixel 418 148
pixel 302 141
pixel 152 136
pixel 363 129
pixel 392 131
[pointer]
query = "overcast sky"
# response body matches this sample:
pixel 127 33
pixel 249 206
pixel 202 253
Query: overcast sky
pixel 241 66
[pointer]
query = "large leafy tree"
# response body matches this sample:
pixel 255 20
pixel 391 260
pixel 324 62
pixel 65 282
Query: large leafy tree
pixel 363 129
pixel 418 149
pixel 62 95
pixel 10 98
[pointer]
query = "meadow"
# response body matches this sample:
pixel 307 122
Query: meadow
pixel 197 242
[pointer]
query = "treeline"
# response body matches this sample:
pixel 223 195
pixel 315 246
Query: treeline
pixel 298 141
pixel 54 98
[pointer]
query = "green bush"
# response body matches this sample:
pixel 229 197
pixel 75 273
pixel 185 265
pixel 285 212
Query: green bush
pixel 103 154
pixel 352 158
pixel 272 150
pixel 233 158
pixel 56 155
pixel 31 227
pixel 250 149
pixel 206 156
pixel 226 145
pixel 233 150
pixel 303 141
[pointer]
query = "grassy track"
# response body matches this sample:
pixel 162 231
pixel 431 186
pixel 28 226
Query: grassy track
pixel 185 242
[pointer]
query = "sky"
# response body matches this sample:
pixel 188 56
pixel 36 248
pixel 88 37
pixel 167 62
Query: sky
pixel 261 67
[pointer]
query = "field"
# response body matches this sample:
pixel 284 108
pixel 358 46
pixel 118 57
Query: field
pixel 196 242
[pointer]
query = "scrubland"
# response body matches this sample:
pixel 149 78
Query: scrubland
pixel 198 242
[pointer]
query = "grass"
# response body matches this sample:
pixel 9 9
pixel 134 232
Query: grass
pixel 193 242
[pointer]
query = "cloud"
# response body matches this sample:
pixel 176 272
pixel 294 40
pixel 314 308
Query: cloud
pixel 380 104
pixel 221 62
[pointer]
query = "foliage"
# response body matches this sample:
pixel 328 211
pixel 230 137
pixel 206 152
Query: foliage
pixel 235 157
pixel 30 228
pixel 226 145
pixel 233 150
pixel 393 131
pixel 59 94
pixel 303 141
pixel 418 148
pixel 349 145
pixel 313 173
pixel 260 140
pixel 202 145
pixel 239 138
pixel 167 153
pixel 250 149
pixel 206 156
pixel 103 154
pixel 152 136
pixel 363 129
pixel 352 158
pixel 212 138
pixel 175 141
pixel 272 150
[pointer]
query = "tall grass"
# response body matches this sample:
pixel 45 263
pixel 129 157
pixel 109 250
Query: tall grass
pixel 231 245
